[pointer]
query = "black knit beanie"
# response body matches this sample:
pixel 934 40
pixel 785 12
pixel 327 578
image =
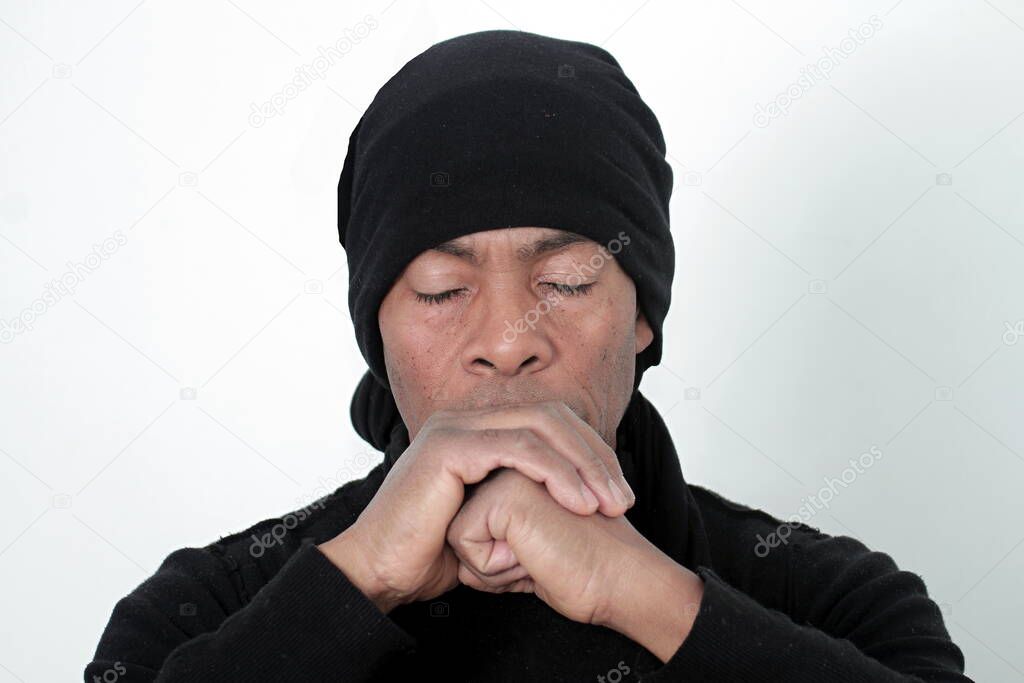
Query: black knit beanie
pixel 500 129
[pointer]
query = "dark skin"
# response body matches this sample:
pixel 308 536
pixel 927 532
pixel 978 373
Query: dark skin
pixel 512 352
pixel 455 353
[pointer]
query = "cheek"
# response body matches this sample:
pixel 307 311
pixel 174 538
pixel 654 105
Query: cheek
pixel 419 349
pixel 435 334
pixel 602 338
pixel 598 320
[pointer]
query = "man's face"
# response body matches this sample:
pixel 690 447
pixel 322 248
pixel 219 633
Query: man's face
pixel 514 315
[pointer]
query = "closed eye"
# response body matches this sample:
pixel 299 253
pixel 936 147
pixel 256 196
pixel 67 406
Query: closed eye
pixel 570 290
pixel 565 290
pixel 437 298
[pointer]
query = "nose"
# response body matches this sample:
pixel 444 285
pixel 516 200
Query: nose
pixel 508 335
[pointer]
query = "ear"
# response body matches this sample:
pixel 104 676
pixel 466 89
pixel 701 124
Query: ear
pixel 643 333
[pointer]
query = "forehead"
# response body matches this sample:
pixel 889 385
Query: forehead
pixel 528 243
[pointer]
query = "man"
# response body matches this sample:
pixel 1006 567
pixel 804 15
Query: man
pixel 504 209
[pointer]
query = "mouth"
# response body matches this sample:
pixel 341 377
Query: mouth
pixel 579 410
pixel 500 396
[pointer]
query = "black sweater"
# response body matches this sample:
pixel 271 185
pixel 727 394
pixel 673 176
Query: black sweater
pixel 265 604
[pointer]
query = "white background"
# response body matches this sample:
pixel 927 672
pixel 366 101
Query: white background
pixel 831 294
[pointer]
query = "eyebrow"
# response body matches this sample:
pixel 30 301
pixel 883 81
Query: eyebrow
pixel 526 252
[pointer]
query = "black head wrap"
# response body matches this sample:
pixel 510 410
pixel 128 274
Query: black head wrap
pixel 505 129
pixel 500 129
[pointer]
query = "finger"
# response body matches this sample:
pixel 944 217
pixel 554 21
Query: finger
pixel 511 581
pixel 602 449
pixel 472 540
pixel 474 453
pixel 501 558
pixel 488 558
pixel 572 438
pixel 550 421
pixel 525 585
pixel 500 578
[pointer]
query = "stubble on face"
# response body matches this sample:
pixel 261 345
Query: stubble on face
pixel 588 343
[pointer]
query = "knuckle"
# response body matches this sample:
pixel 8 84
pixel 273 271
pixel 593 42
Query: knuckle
pixel 454 537
pixel 549 410
pixel 555 407
pixel 595 468
pixel 490 433
pixel 523 439
pixel 601 463
pixel 450 434
pixel 528 437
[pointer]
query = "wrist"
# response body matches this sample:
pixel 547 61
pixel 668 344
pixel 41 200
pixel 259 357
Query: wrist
pixel 346 552
pixel 659 609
